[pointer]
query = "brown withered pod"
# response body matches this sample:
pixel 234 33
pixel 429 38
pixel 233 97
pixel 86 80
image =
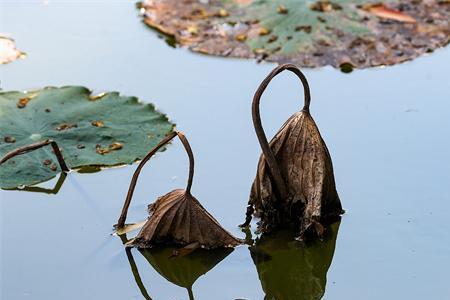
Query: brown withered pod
pixel 177 217
pixel 294 184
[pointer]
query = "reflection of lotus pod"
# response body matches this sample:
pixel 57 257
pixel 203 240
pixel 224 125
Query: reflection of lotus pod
pixel 291 272
pixel 177 217
pixel 184 270
pixel 294 181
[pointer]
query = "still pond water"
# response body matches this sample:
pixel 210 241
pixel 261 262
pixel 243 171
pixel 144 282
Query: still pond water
pixel 388 131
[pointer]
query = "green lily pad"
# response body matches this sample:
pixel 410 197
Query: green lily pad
pixel 361 33
pixel 104 130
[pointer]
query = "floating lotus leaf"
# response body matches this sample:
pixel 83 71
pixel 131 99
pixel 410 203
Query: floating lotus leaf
pixel 294 183
pixel 8 50
pixel 360 33
pixel 103 130
pixel 177 217
pixel 290 271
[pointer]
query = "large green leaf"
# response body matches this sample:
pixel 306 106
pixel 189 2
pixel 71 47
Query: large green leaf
pixel 104 130
pixel 309 33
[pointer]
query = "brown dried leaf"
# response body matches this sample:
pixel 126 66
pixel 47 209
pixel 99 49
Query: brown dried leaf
pixel 177 217
pixel 382 11
pixel 355 35
pixel 294 182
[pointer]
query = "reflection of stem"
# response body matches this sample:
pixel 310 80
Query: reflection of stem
pixel 31 147
pixel 36 189
pixel 190 293
pixel 134 269
pixel 136 275
pixel 168 138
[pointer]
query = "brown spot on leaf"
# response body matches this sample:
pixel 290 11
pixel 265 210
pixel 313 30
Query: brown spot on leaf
pixel 47 162
pixel 281 9
pixel 98 123
pixel 223 13
pixel 193 30
pixel 264 31
pixel 116 146
pixel 304 28
pixel 272 39
pixel 9 139
pixel 325 6
pixel 66 126
pixel 22 103
pixel 112 147
pixel 241 37
pixel 101 150
pixel 321 19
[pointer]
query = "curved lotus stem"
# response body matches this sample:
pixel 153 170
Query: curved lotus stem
pixel 168 138
pixel 268 154
pixel 31 147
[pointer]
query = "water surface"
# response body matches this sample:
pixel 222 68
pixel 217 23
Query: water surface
pixel 388 131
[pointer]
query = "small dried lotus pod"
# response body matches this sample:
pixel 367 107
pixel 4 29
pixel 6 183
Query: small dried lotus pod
pixel 294 183
pixel 177 217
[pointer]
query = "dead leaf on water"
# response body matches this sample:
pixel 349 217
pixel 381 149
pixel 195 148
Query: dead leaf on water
pixel 380 10
pixel 177 217
pixel 294 183
pixel 363 33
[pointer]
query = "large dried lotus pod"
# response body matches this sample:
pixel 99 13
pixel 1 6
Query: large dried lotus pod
pixel 177 217
pixel 294 183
